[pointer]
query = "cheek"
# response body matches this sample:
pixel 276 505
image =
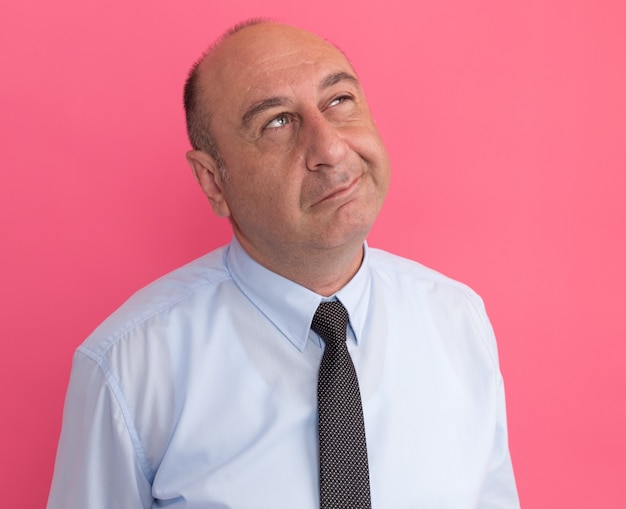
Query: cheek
pixel 366 141
pixel 379 162
pixel 261 200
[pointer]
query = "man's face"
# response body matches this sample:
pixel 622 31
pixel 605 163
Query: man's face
pixel 306 168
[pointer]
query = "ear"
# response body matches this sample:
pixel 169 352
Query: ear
pixel 209 177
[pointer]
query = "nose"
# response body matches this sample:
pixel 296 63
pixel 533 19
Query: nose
pixel 324 144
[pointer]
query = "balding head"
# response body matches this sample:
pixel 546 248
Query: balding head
pixel 196 111
pixel 198 98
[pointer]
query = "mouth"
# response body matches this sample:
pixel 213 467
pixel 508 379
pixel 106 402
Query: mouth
pixel 340 192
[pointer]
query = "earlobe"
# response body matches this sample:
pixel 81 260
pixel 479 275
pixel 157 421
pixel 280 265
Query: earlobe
pixel 207 174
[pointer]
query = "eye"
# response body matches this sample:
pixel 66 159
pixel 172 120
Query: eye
pixel 339 100
pixel 278 121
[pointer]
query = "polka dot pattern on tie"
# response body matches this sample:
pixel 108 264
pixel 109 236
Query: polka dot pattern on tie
pixel 344 471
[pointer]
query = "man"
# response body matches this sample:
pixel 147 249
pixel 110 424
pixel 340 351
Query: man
pixel 201 391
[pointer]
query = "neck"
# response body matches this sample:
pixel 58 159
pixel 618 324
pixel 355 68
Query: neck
pixel 323 271
pixel 335 273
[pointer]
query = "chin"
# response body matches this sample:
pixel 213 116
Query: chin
pixel 346 235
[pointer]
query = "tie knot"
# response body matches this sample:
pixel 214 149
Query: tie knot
pixel 331 322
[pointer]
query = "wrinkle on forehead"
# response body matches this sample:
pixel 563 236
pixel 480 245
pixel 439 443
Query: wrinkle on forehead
pixel 271 45
pixel 262 58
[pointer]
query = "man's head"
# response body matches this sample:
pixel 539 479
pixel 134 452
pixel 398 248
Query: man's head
pixel 293 157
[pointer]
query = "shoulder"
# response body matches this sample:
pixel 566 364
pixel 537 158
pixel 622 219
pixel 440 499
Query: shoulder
pixel 432 295
pixel 174 293
pixel 399 269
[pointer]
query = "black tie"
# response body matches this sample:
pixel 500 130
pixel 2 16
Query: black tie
pixel 344 473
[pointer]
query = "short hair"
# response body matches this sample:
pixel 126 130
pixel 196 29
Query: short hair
pixel 196 112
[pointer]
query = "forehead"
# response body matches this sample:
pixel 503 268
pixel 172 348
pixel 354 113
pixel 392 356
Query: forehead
pixel 270 45
pixel 267 59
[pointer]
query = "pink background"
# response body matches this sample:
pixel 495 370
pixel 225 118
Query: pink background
pixel 506 126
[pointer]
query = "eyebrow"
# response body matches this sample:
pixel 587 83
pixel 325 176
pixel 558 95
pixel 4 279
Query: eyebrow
pixel 338 77
pixel 260 106
pixel 272 102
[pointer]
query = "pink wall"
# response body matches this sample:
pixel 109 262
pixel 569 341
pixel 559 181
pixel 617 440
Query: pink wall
pixel 506 124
